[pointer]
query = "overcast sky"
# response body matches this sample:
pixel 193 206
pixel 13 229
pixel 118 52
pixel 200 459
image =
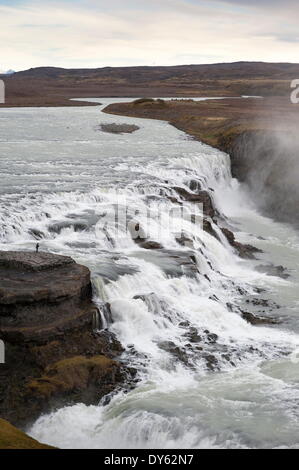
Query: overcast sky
pixel 97 33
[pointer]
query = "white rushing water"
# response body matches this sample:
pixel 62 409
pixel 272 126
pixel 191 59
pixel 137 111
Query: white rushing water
pixel 207 378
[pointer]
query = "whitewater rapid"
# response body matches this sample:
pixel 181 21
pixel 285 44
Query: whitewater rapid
pixel 207 378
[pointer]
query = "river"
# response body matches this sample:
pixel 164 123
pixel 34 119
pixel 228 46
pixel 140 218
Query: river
pixel 207 378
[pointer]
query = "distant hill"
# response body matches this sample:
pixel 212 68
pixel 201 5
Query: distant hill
pixel 52 86
pixel 236 70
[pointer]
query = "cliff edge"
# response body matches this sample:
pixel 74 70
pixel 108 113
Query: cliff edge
pixel 54 355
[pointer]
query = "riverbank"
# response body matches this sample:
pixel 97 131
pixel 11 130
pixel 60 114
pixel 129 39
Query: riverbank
pixel 215 122
pixel 259 134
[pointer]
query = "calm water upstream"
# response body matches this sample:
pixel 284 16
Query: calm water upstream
pixel 61 178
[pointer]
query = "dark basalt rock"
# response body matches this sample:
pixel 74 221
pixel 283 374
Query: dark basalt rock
pixel 77 226
pixel 119 128
pixel 211 361
pixel 36 234
pixel 149 244
pixel 175 351
pixel 174 200
pixel 202 197
pixel 184 239
pixel 193 336
pixel 194 185
pixel 271 270
pixel 47 321
pixel 264 303
pixel 244 251
pixel 208 227
pixel 257 320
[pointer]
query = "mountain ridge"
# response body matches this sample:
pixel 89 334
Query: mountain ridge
pixel 54 86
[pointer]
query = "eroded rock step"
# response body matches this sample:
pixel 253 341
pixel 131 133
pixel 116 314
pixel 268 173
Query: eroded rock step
pixel 54 356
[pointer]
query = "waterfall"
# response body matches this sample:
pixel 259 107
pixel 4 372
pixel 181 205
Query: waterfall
pixel 175 297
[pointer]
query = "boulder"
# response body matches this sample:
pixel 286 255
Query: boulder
pixel 119 128
pixel 257 320
pixel 149 245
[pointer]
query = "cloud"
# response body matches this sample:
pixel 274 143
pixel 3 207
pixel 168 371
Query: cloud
pixel 273 4
pixel 95 33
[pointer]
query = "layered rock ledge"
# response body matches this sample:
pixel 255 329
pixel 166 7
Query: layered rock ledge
pixel 42 296
pixel 53 354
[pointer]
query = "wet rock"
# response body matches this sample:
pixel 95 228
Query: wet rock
pixel 208 227
pixel 185 263
pixel 175 351
pixel 174 263
pixel 81 245
pixel 119 128
pixel 265 303
pixel 184 240
pixel 194 185
pixel 184 324
pixel 202 197
pixel 271 270
pixel 103 318
pixel 174 200
pixel 257 320
pixel 211 362
pixel 149 245
pixel 35 233
pixel 244 251
pixel 211 337
pixel 112 271
pixel 193 336
pixel 153 303
pixel 214 297
pixel 229 235
pixel 77 226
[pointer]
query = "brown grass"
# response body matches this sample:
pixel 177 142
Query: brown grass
pixel 13 438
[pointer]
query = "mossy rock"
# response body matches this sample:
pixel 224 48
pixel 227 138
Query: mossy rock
pixel 76 373
pixel 13 438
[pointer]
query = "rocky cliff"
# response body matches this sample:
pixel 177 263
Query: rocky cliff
pixel 53 354
pixel 260 135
